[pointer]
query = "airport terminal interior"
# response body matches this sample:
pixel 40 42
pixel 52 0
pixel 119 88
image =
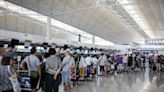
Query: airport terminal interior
pixel 81 45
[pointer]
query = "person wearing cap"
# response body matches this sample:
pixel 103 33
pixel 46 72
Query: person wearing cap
pixel 67 63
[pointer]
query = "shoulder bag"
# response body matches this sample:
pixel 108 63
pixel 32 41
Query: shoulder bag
pixel 14 81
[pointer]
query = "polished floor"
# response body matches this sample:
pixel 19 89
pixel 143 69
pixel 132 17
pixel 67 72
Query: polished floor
pixel 134 82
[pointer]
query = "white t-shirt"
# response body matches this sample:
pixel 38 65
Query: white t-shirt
pixel 94 60
pixel 125 59
pixel 88 60
pixel 112 66
pixel 32 62
pixel 103 60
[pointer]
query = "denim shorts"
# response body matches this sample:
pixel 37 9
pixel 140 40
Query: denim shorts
pixel 66 76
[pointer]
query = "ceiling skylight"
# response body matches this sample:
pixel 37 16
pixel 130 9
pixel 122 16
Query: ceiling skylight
pixel 137 16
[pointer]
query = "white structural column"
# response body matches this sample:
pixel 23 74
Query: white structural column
pixel 48 28
pixel 93 40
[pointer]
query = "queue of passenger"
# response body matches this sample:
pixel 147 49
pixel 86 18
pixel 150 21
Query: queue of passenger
pixel 52 69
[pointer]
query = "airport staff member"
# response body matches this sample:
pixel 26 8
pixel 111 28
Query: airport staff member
pixel 34 69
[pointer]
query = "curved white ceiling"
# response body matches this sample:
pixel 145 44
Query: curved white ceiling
pixel 93 18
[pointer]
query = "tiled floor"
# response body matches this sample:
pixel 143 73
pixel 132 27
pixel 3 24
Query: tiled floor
pixel 133 82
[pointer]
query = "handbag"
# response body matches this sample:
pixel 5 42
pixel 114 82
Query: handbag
pixel 34 74
pixel 14 81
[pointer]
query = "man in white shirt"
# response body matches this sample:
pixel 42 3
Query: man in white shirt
pixel 88 60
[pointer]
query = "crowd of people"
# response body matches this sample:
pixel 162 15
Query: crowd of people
pixel 53 70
